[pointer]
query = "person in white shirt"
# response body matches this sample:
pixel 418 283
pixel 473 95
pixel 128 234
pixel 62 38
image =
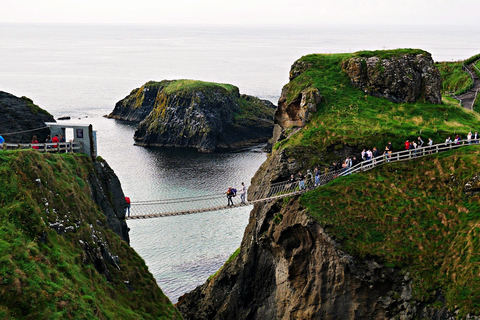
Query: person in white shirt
pixel 243 193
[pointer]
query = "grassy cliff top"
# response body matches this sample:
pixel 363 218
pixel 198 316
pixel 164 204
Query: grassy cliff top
pixel 45 275
pixel 416 215
pixel 349 117
pixel 197 85
pixel 389 54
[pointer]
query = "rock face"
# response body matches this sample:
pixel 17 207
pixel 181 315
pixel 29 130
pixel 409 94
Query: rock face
pixel 21 114
pixel 298 110
pixel 289 268
pixel 201 115
pixel 108 195
pixel 400 78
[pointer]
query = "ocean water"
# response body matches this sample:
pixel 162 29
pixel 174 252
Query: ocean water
pixel 83 70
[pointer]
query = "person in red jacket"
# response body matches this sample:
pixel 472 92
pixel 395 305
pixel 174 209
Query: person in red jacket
pixel 127 208
pixel 55 140
pixel 407 145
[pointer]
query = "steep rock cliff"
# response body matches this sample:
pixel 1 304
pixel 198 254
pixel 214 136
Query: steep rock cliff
pixel 107 193
pixel 139 103
pixel 201 115
pixel 21 114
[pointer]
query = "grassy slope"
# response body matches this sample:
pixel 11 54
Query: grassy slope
pixel 455 80
pixel 42 274
pixel 412 215
pixel 349 117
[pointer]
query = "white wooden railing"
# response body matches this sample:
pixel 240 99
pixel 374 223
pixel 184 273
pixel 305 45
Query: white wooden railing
pixel 46 147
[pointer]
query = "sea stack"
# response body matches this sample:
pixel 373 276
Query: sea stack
pixel 202 115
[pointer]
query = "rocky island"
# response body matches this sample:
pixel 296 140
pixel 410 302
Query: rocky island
pixel 196 114
pixel 396 242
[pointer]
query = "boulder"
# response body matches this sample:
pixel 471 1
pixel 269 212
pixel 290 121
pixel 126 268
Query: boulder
pixel 408 77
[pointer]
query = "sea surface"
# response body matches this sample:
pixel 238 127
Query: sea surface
pixel 81 71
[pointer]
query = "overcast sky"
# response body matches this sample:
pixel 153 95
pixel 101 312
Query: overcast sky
pixel 459 12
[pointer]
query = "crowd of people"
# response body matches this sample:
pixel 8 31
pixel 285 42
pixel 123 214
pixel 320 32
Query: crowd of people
pixel 305 181
pixel 56 140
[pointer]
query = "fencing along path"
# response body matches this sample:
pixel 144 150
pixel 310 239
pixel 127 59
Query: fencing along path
pixel 274 191
pixel 46 147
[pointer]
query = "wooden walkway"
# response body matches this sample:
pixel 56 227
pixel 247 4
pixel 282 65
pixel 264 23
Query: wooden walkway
pixel 275 191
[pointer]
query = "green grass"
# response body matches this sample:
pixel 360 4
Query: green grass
pixel 477 70
pixel 44 275
pixel 454 79
pixel 178 86
pixel 388 54
pixel 349 118
pixel 415 216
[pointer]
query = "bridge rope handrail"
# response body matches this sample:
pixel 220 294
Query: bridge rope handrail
pixel 278 190
pixel 177 200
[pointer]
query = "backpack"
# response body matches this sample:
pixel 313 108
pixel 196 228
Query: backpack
pixel 234 191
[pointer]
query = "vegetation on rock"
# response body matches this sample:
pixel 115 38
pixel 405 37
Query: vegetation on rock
pixel 51 229
pixel 422 216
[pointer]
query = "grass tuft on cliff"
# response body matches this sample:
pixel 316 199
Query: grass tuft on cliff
pixel 347 117
pixel 45 275
pixel 415 215
pixel 34 108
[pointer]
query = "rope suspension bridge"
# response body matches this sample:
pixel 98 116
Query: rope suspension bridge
pixel 275 191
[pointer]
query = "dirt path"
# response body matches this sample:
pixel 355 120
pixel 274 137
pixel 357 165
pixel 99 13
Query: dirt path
pixel 466 99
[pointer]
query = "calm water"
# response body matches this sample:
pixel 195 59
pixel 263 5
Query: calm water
pixel 83 70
